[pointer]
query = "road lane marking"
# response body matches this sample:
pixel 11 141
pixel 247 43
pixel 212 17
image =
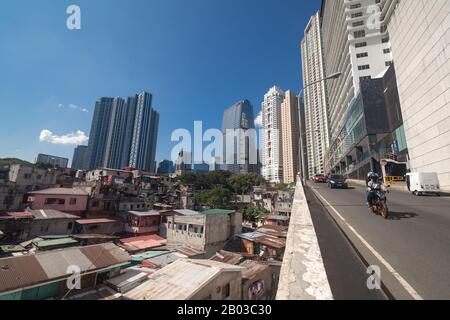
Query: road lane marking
pixel 388 266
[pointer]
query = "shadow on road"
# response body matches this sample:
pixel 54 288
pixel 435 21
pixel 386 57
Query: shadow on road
pixel 442 195
pixel 401 215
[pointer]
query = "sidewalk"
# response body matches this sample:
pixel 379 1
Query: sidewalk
pixel 400 186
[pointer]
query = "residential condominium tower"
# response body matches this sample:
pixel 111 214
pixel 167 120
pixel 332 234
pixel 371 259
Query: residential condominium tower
pixel 124 133
pixel 290 136
pixel 364 118
pixel 272 163
pixel 354 45
pixel 145 134
pixel 315 98
pixel 239 144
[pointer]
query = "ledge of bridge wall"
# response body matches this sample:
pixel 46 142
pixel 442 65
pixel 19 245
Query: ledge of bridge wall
pixel 303 275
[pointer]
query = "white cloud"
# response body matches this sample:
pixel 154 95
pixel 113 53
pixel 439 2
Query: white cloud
pixel 73 107
pixel 258 120
pixel 76 138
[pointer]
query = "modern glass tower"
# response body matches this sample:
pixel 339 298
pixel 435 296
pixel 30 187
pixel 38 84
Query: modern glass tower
pixel 99 132
pixel 145 134
pixel 124 133
pixel 79 158
pixel 238 124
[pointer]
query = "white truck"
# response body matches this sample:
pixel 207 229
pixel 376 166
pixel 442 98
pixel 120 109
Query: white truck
pixel 423 183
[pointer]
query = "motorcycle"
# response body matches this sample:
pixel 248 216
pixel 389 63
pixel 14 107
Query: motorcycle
pixel 379 201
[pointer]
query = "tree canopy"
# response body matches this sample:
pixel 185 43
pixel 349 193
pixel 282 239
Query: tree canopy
pixel 217 189
pixel 216 198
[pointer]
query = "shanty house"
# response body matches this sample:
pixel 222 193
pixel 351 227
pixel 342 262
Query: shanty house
pixel 45 275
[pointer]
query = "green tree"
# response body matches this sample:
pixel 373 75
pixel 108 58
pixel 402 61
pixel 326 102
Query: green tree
pixel 243 183
pixel 253 212
pixel 216 198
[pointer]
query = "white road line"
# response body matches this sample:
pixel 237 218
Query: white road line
pixel 388 266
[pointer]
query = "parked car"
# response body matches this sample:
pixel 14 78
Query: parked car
pixel 423 183
pixel 337 181
pixel 320 178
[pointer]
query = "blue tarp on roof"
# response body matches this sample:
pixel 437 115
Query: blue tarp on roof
pixel 250 235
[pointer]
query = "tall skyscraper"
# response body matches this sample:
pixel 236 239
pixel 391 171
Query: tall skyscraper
pixel 419 38
pixel 145 134
pixel 240 120
pixel 356 46
pixel 290 135
pixel 272 151
pixel 124 133
pixel 99 132
pixel 315 98
pixel 119 134
pixel 79 160
pixel 364 111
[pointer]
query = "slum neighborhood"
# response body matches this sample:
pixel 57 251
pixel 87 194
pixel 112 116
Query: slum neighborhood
pixel 130 235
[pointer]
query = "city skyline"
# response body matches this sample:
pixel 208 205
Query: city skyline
pixel 220 151
pixel 59 114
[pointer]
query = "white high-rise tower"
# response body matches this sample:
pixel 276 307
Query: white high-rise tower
pixel 315 98
pixel 272 163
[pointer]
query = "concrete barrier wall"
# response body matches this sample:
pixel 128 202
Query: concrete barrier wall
pixel 303 275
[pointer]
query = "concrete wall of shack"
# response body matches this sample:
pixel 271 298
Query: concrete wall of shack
pixel 215 290
pixel 269 280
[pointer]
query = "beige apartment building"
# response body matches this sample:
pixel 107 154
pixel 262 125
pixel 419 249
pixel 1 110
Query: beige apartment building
pixel 420 36
pixel 290 134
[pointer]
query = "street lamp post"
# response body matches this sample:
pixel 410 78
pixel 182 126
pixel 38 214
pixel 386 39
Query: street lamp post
pixel 331 76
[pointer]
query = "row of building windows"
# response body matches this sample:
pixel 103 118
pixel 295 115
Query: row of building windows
pixel 50 201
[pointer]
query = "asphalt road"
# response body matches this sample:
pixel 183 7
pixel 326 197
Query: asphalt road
pixel 346 272
pixel 413 245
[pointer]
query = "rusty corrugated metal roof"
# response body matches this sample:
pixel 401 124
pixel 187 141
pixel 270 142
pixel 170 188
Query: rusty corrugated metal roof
pixel 273 242
pixel 189 252
pixel 227 257
pixel 23 271
pixel 111 254
pixel 17 272
pixel 253 268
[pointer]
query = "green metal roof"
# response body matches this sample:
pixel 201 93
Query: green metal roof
pixel 55 242
pixel 214 212
pixel 11 248
pixel 147 255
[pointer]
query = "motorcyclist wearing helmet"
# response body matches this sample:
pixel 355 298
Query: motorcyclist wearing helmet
pixel 373 179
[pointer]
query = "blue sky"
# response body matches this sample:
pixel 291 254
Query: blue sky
pixel 197 57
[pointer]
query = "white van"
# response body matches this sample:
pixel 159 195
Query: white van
pixel 423 183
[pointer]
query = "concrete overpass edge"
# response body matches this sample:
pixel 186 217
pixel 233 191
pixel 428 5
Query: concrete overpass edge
pixel 303 275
